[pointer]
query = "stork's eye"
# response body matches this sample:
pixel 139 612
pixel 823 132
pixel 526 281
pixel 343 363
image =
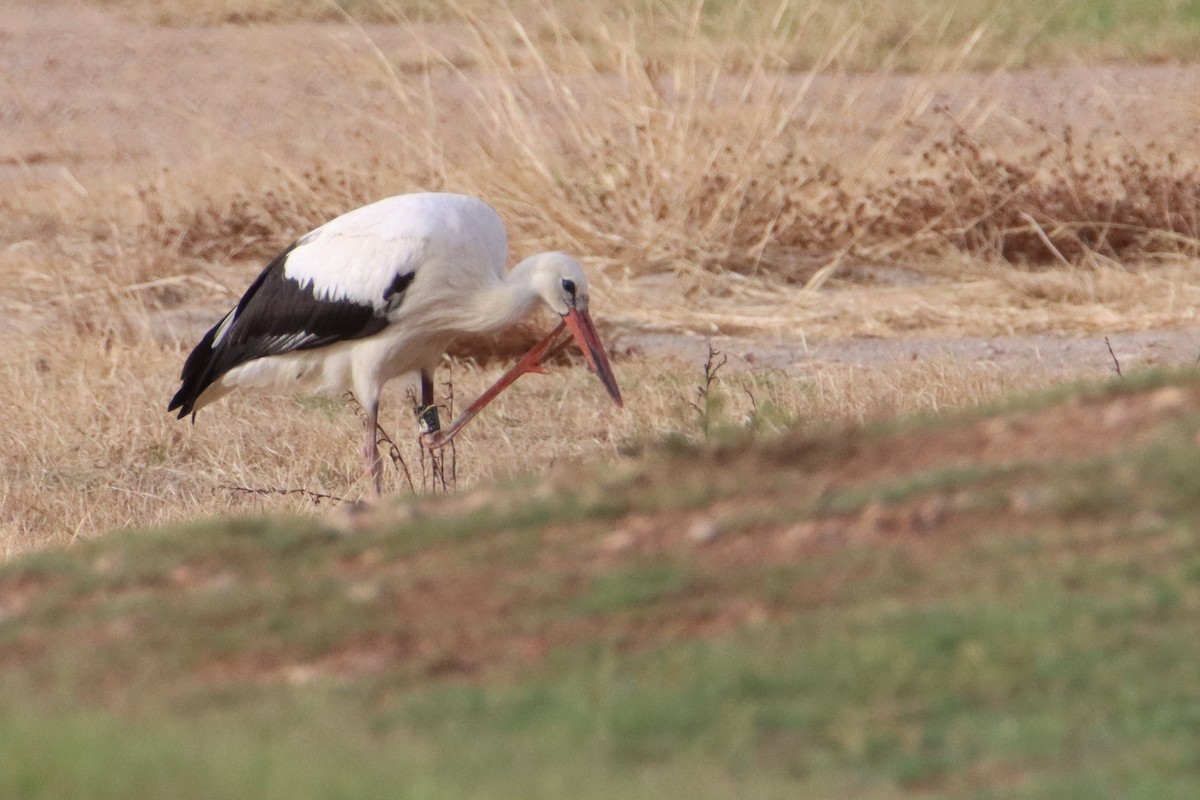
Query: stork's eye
pixel 569 286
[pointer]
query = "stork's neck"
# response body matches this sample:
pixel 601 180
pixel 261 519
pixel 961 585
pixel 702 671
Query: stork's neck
pixel 508 301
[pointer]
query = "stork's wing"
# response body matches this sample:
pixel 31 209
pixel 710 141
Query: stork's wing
pixel 287 309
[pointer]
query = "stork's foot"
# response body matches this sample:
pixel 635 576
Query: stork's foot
pixel 435 440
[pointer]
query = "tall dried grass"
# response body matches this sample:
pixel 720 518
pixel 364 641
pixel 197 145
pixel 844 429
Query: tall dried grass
pixel 718 161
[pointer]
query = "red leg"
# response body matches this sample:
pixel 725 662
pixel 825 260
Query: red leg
pixel 374 466
pixel 528 363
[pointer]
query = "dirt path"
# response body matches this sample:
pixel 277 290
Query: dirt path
pixel 1047 353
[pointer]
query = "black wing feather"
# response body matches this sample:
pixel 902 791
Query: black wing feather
pixel 279 315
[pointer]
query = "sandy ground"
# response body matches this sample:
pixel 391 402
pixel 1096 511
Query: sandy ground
pixel 1047 353
pixel 91 91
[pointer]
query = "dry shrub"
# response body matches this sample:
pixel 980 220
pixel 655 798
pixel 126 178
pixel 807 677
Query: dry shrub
pixel 250 221
pixel 1064 203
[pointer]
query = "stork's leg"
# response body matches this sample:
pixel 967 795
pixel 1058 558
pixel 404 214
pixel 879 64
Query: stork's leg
pixel 427 412
pixel 374 466
pixel 528 363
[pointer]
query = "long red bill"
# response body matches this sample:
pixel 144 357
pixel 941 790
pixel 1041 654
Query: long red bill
pixel 581 327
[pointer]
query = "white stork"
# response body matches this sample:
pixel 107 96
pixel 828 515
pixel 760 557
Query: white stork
pixel 379 292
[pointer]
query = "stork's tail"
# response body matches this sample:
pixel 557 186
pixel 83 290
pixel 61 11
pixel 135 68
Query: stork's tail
pixel 199 372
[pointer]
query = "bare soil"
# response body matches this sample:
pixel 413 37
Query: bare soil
pixel 1042 353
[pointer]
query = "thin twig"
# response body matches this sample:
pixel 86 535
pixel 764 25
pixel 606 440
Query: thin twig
pixel 1116 363
pixel 753 403
pixel 1041 234
pixel 394 455
pixel 711 367
pixel 316 497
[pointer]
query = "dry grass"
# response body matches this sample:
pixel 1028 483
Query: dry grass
pixel 91 450
pixel 707 186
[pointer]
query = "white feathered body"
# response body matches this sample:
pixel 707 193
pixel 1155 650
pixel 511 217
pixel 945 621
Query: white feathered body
pixel 454 248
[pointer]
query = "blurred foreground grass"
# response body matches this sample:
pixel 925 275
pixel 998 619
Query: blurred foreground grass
pixel 985 604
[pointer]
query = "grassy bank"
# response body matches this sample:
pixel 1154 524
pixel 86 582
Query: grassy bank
pixel 989 604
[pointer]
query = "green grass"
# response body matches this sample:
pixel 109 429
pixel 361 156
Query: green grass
pixel 631 588
pixel 1045 651
pixel 1068 684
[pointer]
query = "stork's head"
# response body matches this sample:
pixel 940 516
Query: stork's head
pixel 559 281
